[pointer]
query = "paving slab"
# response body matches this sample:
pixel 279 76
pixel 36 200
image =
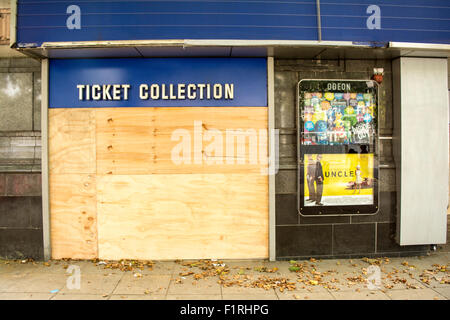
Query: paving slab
pixel 191 286
pixel 410 283
pixel 89 267
pixel 80 297
pixel 161 268
pixel 269 296
pixel 303 290
pixel 360 295
pixel 32 282
pixel 250 267
pixel 435 284
pixel 443 291
pixel 146 283
pixel 342 282
pixel 245 290
pixel 179 269
pixel 14 267
pixel 194 297
pixel 137 297
pixel 25 296
pixel 418 263
pixel 414 294
pixel 281 265
pixel 94 284
pixel 341 265
pixel 322 295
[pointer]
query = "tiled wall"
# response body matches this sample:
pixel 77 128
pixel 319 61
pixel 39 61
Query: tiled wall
pixel 20 159
pixel 349 236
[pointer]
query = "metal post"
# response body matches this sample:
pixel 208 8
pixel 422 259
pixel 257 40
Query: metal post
pixel 319 22
pixel 44 161
pixel 271 126
pixel 13 23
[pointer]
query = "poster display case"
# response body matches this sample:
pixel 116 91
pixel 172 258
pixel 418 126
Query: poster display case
pixel 337 148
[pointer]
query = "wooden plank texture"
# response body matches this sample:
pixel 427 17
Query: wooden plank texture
pixel 141 140
pixel 72 141
pixel 73 214
pixel 183 216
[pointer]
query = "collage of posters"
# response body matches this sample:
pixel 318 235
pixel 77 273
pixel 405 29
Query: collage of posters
pixel 337 118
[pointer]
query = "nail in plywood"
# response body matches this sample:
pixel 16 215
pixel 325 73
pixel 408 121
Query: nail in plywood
pixel 73 214
pixel 124 140
pixel 72 141
pixel 182 216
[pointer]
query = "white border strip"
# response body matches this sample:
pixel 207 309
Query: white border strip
pixel 271 127
pixel 44 160
pixel 196 43
pixel 422 46
pixel 13 23
pixel 232 42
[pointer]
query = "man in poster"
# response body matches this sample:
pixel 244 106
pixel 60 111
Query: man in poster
pixel 319 181
pixel 310 178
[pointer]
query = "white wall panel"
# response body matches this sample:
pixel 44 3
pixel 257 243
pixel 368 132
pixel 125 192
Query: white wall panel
pixel 421 146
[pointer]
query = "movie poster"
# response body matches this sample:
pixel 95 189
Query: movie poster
pixel 338 180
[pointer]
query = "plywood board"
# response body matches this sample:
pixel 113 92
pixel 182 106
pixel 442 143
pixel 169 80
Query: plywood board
pixel 72 141
pixel 182 216
pixel 116 193
pixel 143 140
pixel 73 216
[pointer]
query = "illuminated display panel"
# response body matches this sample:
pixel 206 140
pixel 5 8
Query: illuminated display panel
pixel 337 149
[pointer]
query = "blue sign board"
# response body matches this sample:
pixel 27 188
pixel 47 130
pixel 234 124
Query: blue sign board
pixel 158 82
pixel 425 21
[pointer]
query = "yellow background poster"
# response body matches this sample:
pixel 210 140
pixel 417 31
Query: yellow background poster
pixel 339 184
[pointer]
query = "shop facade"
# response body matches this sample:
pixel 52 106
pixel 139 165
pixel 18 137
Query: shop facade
pixel 158 173
pixel 157 148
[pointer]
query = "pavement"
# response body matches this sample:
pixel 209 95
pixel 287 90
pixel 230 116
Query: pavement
pixel 400 278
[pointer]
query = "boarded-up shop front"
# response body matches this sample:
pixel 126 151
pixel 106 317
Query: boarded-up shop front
pixel 158 158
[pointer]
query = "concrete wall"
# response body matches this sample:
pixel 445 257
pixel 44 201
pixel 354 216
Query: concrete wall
pixel 20 154
pixel 302 237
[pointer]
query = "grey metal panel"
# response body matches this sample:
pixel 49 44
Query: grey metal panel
pixel 185 51
pixel 421 146
pixel 94 53
pixel 271 127
pixel 223 48
pixel 249 52
pixel 44 150
pixel 396 139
